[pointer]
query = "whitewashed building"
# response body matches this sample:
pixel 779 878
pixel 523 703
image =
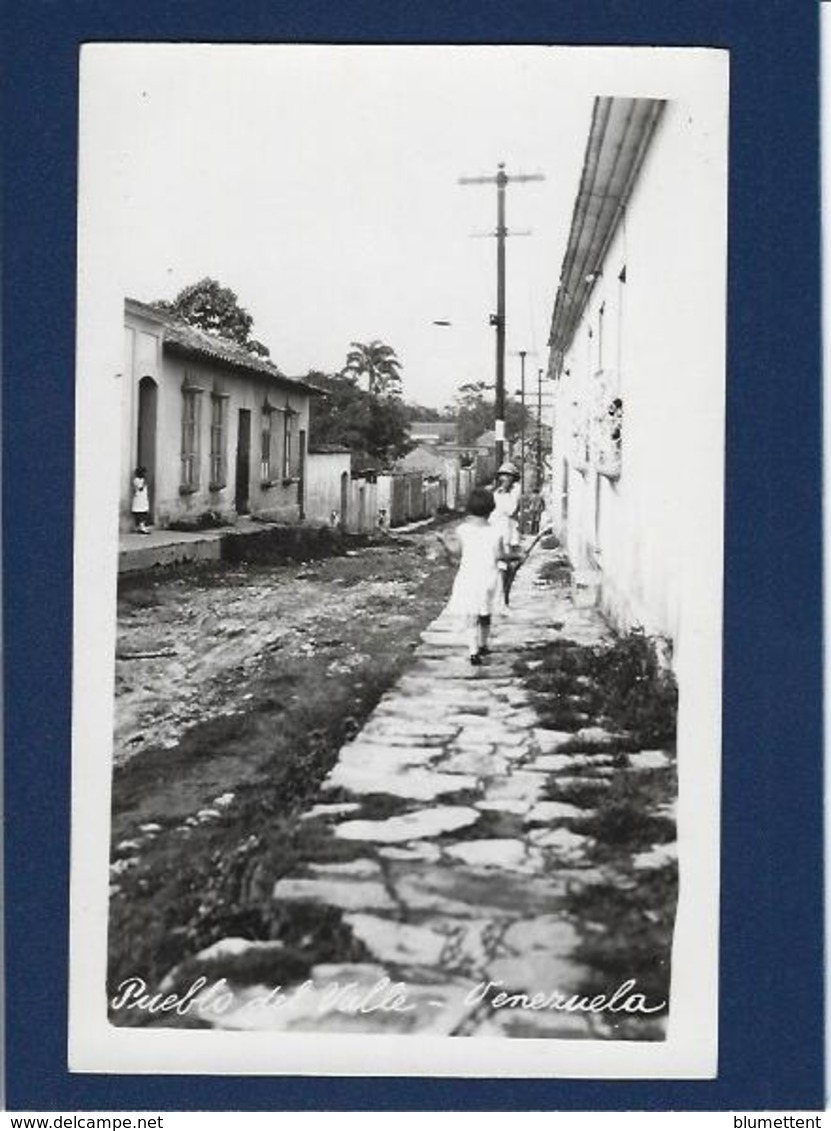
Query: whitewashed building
pixel 637 347
pixel 221 432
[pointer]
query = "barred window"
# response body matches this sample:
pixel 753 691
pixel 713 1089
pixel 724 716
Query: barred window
pixel 191 416
pixel 219 440
pixel 291 453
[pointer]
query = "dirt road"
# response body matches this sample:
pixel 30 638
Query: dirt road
pixel 235 688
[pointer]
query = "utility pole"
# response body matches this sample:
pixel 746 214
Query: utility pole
pixel 501 180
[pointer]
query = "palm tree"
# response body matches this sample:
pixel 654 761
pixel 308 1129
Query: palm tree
pixel 380 365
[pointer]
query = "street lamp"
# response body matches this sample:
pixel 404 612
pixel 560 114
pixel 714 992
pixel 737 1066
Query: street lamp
pixel 522 354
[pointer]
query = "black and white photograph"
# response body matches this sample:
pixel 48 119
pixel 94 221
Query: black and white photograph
pixel 398 559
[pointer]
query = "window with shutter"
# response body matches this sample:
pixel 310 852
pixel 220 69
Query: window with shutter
pixel 219 441
pixel 191 416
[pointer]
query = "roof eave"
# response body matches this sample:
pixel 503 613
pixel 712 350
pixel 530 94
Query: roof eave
pixel 172 345
pixel 184 349
pixel 619 138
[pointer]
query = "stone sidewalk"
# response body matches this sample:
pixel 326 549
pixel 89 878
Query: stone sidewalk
pixel 442 860
pixel 160 546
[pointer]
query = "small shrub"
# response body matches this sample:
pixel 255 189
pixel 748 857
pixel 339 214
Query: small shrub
pixel 621 686
pixel 557 572
pixel 206 520
pixel 625 825
pixel 584 794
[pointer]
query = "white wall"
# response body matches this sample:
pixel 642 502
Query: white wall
pixel 362 513
pixel 663 349
pixel 323 484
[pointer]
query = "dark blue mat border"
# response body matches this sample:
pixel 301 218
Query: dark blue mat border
pixel 771 983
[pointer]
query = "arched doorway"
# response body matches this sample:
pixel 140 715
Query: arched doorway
pixel 146 439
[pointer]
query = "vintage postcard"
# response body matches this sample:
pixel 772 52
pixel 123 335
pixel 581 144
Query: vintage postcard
pixel 398 560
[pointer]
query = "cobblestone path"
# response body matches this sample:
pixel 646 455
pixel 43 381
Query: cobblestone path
pixel 442 856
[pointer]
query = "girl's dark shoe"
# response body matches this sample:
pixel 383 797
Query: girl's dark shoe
pixel 476 659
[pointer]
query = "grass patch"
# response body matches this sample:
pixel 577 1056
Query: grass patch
pixel 373 806
pixel 622 825
pixel 317 932
pixel 584 794
pixel 556 572
pixel 627 933
pixel 142 597
pixel 492 824
pixel 625 924
pixel 624 819
pixel 614 745
pixel 619 686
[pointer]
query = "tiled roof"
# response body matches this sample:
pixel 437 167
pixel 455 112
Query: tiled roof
pixel 421 459
pixel 179 337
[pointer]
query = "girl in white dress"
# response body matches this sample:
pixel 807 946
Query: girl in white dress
pixel 478 580
pixel 140 505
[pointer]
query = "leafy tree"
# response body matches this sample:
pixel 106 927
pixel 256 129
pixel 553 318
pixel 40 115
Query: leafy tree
pixel 374 429
pixel 210 306
pixel 475 414
pixel 379 364
pixel 413 411
pixel 475 411
pixel 341 417
pixel 389 435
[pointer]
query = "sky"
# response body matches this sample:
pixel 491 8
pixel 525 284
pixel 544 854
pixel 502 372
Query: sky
pixel 321 185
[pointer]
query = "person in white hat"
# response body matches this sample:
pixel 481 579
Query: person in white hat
pixel 506 499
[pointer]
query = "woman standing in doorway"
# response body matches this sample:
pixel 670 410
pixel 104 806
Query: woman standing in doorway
pixel 141 501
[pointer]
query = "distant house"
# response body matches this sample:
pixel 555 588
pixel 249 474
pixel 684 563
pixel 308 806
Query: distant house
pixel 438 445
pixel 440 465
pixel 423 459
pixel 433 431
pixel 486 442
pixel 222 432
